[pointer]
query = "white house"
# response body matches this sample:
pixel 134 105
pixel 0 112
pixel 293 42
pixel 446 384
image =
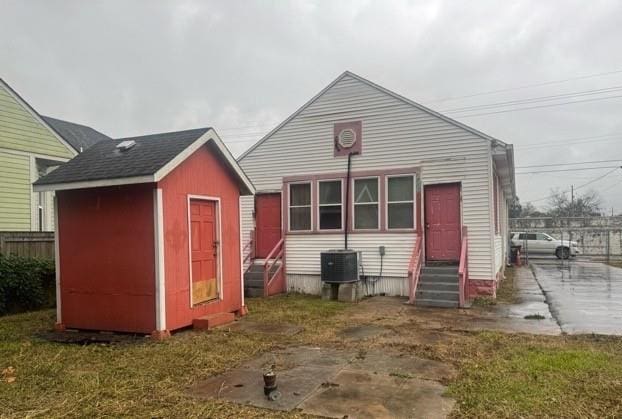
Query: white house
pixel 426 202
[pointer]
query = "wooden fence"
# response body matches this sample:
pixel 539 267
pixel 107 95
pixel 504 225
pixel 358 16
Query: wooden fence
pixel 28 244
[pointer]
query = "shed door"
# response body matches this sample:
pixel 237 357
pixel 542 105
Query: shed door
pixel 204 250
pixel 268 223
pixel 442 222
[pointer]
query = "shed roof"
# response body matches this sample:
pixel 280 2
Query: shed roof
pixel 149 160
pixel 80 137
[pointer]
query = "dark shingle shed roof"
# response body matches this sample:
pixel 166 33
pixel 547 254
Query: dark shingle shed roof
pixel 80 137
pixel 104 161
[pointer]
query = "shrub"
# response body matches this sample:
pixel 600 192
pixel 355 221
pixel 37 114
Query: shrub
pixel 25 284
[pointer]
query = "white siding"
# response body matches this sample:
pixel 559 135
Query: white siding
pixel 303 252
pixel 312 284
pixel 395 135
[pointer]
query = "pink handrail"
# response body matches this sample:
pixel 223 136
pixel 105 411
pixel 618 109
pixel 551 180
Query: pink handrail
pixel 463 269
pixel 269 264
pixel 414 270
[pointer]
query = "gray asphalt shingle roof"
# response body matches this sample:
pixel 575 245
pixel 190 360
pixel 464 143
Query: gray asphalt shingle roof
pixel 80 137
pixel 104 161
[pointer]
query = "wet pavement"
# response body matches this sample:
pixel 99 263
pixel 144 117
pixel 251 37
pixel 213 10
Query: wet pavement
pixel 584 297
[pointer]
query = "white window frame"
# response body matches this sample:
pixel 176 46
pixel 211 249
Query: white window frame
pixel 219 268
pixel 317 210
pixel 386 201
pixel 353 203
pixel 289 206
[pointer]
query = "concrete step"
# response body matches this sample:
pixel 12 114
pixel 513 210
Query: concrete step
pixel 437 295
pixel 253 292
pixel 212 320
pixel 438 286
pixel 439 270
pixel 253 276
pixel 253 283
pixel 421 302
pixel 436 277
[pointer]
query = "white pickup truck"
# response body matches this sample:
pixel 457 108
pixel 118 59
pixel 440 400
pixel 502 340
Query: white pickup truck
pixel 542 243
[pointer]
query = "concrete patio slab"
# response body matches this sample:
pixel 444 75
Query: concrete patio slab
pixel 335 383
pixel 362 332
pixel 359 394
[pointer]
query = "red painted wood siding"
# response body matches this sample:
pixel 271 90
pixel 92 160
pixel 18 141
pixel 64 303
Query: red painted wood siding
pixel 268 222
pixel 442 218
pixel 107 258
pixel 201 174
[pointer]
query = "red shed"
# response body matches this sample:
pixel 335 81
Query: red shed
pixel 148 234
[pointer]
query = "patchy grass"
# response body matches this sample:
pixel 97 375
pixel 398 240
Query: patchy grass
pixel 528 376
pixel 499 375
pixel 506 293
pixel 484 302
pixel 615 263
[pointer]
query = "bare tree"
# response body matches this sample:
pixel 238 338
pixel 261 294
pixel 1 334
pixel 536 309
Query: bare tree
pixel 586 204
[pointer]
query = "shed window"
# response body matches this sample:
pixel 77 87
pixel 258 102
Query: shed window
pixel 330 205
pixel 400 202
pixel 366 204
pixel 300 207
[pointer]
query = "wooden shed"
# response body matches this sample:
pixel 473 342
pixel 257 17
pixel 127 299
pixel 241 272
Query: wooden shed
pixel 148 234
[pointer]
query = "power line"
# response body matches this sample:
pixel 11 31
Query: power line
pixel 588 76
pixel 537 99
pixel 569 164
pixel 568 170
pixel 540 106
pixel 579 187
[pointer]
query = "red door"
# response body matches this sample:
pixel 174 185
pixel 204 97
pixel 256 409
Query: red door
pixel 442 222
pixel 204 249
pixel 268 223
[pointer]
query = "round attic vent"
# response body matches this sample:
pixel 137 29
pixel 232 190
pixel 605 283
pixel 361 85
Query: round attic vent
pixel 347 138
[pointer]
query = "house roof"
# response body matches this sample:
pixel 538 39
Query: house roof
pixel 80 137
pixel 149 160
pixel 37 116
pixel 493 141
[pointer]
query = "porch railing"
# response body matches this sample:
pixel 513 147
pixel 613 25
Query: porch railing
pixel 463 269
pixel 274 282
pixel 414 271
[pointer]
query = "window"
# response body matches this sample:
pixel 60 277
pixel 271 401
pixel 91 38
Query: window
pixel 400 202
pixel 300 207
pixel 329 205
pixel 365 204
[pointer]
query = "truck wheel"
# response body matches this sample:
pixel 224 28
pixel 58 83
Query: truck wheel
pixel 562 252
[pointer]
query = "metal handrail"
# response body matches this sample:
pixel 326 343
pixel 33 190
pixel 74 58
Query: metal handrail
pixel 463 268
pixel 414 269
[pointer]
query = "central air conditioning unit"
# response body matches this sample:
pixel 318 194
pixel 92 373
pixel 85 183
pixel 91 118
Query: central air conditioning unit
pixel 340 266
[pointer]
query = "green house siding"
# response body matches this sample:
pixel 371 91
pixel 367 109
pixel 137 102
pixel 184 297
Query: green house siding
pixel 20 130
pixel 14 192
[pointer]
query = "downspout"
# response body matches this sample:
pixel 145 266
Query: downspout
pixel 347 206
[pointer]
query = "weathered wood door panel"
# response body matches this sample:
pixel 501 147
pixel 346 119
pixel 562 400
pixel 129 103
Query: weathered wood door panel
pixel 442 222
pixel 204 249
pixel 268 223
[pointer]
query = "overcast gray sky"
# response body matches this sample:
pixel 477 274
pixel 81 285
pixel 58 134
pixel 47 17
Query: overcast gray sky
pixel 137 67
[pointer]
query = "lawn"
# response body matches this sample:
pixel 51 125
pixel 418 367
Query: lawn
pixel 499 375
